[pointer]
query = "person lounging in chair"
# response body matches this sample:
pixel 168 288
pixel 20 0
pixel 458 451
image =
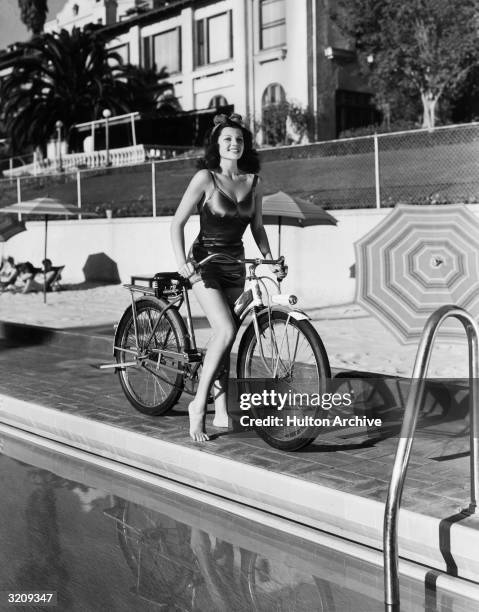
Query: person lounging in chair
pixel 8 273
pixel 26 274
pixel 52 275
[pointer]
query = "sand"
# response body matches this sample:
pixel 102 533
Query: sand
pixel 352 337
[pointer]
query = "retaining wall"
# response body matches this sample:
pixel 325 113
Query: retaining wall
pixel 320 259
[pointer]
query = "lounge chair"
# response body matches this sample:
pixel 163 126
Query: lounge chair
pixel 53 277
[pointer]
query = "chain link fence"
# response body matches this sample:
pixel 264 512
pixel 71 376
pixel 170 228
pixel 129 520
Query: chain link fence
pixel 430 167
pixel 417 167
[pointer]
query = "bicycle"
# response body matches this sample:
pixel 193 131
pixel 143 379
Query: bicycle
pixel 157 358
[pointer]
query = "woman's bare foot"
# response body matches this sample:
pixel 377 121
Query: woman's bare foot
pixel 221 417
pixel 197 423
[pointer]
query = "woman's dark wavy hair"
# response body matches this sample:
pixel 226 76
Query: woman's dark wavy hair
pixel 248 162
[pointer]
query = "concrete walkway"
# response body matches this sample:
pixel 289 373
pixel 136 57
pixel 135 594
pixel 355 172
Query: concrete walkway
pixel 50 387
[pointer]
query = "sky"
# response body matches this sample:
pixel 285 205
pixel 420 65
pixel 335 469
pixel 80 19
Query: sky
pixel 11 26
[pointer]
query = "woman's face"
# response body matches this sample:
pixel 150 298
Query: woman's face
pixel 231 143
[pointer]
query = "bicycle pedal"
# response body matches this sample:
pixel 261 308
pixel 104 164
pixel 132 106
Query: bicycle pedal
pixel 193 356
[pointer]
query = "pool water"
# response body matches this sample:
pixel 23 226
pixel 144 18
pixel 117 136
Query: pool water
pixel 104 539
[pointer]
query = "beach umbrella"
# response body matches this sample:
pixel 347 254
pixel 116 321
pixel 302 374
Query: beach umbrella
pixel 414 261
pixel 283 209
pixel 44 207
pixel 9 227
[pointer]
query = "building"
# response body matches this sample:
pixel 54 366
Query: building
pixel 245 53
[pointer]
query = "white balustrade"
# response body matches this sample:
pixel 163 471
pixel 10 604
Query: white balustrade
pixel 124 156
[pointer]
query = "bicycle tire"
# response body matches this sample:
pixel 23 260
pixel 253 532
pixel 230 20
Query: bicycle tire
pixel 312 372
pixel 149 388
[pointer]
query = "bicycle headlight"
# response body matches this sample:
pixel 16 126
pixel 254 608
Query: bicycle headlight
pixel 284 300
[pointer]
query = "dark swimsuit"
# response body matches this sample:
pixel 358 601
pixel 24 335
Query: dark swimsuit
pixel 223 222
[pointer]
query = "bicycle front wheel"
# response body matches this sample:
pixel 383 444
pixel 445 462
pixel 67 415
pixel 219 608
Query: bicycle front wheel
pixel 290 352
pixel 150 371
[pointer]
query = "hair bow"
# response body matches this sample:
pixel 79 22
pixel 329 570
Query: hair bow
pixel 221 119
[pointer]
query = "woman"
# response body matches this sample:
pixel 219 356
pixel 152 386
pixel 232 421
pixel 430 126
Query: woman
pixel 26 274
pixel 227 195
pixel 8 273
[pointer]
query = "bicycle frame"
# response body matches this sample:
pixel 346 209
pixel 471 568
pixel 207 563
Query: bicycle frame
pixel 188 362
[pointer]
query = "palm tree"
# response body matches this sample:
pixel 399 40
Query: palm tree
pixel 33 14
pixel 66 77
pixel 149 92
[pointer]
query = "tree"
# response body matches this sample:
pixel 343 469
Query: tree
pixel 68 77
pixel 419 48
pixel 33 14
pixel 148 90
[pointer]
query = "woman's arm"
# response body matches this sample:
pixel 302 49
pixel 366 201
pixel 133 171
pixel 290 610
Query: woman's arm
pixel 257 227
pixel 194 192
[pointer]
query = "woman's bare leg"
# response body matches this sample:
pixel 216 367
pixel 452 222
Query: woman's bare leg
pixel 221 383
pixel 219 315
pixel 220 388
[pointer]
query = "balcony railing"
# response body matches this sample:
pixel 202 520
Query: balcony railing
pixel 124 156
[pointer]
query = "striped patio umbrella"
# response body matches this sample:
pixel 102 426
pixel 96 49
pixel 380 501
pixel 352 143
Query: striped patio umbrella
pixel 418 259
pixel 9 227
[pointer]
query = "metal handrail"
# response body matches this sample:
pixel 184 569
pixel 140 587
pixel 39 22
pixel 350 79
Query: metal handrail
pixel 401 461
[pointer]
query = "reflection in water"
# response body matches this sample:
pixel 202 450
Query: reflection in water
pixel 185 568
pixel 44 568
pixel 176 565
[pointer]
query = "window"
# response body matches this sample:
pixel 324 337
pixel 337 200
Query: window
pixel 213 39
pixel 272 20
pixel 273 94
pixel 274 114
pixel 163 51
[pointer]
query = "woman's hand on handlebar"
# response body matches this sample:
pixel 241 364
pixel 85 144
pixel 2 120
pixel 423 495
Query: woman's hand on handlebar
pixel 280 270
pixel 187 270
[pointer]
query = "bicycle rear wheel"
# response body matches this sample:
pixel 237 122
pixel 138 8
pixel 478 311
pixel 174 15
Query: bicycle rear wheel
pixel 291 353
pixel 154 383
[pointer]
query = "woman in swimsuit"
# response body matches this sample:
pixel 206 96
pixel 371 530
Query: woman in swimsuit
pixel 227 195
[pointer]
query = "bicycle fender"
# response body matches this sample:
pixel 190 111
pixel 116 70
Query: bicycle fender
pixel 299 315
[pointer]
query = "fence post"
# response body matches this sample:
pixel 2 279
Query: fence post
pixel 376 171
pixel 10 167
pixel 19 196
pixel 79 192
pixel 153 188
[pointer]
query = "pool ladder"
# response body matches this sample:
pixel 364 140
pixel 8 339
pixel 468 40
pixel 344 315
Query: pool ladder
pixel 391 576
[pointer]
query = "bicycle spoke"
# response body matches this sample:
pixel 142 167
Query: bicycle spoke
pixel 284 347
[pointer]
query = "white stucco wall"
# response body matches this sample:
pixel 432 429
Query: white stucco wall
pixel 319 258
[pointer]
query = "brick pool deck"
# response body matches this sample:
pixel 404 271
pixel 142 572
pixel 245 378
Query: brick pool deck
pixel 50 387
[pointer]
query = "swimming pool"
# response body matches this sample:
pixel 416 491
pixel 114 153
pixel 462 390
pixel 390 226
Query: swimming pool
pixel 106 536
